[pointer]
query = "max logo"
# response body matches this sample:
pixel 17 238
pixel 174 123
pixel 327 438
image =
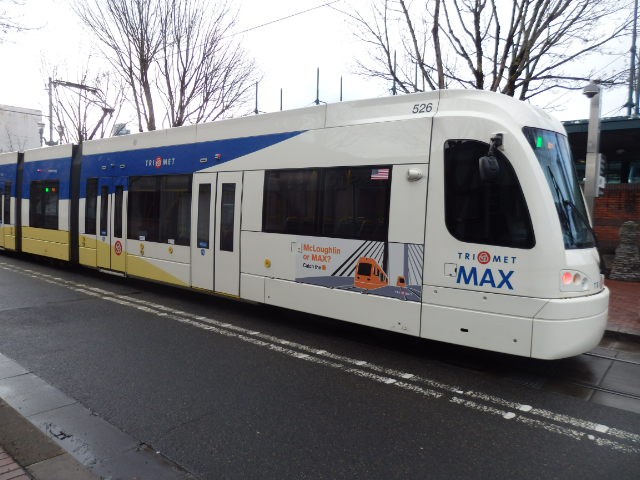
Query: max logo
pixel 487 278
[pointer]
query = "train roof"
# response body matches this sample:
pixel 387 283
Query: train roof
pixel 468 103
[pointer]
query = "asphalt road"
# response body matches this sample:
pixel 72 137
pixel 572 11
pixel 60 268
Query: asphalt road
pixel 232 390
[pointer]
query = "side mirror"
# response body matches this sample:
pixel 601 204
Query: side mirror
pixel 489 169
pixel 488 165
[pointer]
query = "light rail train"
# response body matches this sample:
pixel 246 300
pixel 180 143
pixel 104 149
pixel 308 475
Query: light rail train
pixel 451 215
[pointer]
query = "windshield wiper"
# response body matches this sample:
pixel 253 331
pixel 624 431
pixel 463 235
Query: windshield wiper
pixel 560 206
pixel 582 217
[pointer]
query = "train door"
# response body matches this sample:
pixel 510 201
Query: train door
pixel 202 231
pixel 112 223
pixel 227 233
pixel 3 225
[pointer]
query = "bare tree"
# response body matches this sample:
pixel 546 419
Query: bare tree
pixel 178 51
pixel 8 22
pixel 130 34
pixel 521 47
pixel 204 72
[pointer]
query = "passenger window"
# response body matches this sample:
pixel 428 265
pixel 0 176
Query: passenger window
pixel 204 214
pixel 7 203
pixel 143 214
pixel 43 204
pixel 159 209
pixel 104 210
pixel 91 206
pixel 290 201
pixel 175 209
pixel 227 216
pixel 342 202
pixel 117 214
pixel 489 213
pixel 356 203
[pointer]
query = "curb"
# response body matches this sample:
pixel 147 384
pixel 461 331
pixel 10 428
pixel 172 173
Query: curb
pixel 36 453
pixel 625 335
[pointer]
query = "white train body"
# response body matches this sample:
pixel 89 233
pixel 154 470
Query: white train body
pixel 374 212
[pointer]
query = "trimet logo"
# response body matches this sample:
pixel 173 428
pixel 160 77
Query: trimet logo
pixel 160 162
pixel 485 277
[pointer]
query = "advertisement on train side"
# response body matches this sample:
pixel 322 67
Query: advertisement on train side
pixel 376 268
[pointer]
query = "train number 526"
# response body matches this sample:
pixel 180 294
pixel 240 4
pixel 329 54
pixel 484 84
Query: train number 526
pixel 422 107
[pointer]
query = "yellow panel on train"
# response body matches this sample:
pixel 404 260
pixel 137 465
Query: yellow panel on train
pixel 46 242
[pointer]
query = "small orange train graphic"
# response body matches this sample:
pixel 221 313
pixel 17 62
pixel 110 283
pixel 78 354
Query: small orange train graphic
pixel 370 275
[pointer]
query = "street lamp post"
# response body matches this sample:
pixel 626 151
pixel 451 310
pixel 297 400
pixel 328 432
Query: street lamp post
pixel 592 169
pixel 63 83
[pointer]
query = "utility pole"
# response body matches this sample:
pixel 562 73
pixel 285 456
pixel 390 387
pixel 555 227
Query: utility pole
pixel 592 168
pixel 63 83
pixel 50 142
pixel 317 101
pixel 632 69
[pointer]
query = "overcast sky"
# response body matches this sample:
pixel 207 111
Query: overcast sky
pixel 287 52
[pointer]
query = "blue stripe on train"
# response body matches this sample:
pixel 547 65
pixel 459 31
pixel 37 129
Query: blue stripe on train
pixel 174 159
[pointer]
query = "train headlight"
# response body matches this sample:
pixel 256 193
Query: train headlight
pixel 573 281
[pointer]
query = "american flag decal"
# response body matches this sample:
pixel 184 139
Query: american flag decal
pixel 380 174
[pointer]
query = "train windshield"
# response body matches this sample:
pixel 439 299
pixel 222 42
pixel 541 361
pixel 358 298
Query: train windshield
pixel 553 153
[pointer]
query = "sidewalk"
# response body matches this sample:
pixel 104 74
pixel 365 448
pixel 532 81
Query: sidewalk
pixel 624 307
pixel 9 469
pixel 27 453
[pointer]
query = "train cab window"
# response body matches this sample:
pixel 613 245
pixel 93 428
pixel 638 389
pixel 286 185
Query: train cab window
pixel 290 201
pixel 356 202
pixel 7 203
pixel 364 269
pixel 204 214
pixel 91 206
pixel 43 204
pixel 159 209
pixel 489 213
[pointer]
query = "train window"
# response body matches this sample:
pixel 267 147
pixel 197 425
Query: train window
pixel 175 209
pixel 344 202
pixel 204 214
pixel 479 212
pixel 144 209
pixel 290 201
pixel 364 269
pixel 117 214
pixel 43 204
pixel 356 202
pixel 227 216
pixel 159 209
pixel 104 209
pixel 7 203
pixel 91 206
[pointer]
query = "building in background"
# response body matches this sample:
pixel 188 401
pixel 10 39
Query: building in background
pixel 20 128
pixel 620 146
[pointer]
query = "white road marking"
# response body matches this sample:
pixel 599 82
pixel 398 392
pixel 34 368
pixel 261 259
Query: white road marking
pixel 549 421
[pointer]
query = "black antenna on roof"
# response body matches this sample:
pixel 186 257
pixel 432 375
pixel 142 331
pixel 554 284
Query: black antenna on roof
pixel 256 109
pixel 317 101
pixel 394 90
